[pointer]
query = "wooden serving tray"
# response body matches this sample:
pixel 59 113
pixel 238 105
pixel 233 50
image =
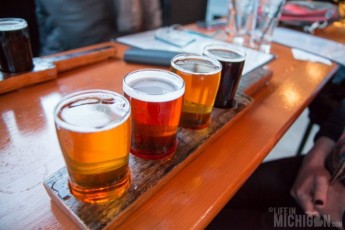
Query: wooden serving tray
pixel 48 68
pixel 148 175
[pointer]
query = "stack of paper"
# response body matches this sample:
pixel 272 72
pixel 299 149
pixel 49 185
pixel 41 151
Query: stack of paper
pixel 319 46
pixel 147 40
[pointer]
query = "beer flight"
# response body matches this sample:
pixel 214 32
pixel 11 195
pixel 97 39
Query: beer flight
pixel 97 129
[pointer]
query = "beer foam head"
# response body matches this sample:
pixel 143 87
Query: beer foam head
pixel 10 24
pixel 225 53
pixel 92 111
pixel 196 64
pixel 153 85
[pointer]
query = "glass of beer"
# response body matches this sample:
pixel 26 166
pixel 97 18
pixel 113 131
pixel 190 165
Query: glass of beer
pixel 15 46
pixel 93 128
pixel 201 75
pixel 232 59
pixel 156 100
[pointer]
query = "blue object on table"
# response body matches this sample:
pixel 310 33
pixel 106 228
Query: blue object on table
pixel 150 57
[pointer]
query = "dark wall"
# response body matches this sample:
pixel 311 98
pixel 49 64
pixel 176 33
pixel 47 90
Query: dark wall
pixel 174 12
pixel 23 9
pixel 183 11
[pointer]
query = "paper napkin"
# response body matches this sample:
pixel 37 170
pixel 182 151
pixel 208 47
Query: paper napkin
pixel 305 56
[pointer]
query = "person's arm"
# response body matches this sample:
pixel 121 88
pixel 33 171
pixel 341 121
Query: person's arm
pixel 335 123
pixel 312 189
pixel 311 185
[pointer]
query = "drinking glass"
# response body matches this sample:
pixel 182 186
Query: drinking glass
pixel 15 46
pixel 240 19
pixel 156 99
pixel 93 128
pixel 266 19
pixel 202 76
pixel 232 59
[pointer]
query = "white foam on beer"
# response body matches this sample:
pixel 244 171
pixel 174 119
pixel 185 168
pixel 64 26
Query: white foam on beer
pixel 92 112
pixel 225 53
pixel 196 64
pixel 10 24
pixel 153 85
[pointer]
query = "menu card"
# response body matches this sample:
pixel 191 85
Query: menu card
pixel 319 46
pixel 147 40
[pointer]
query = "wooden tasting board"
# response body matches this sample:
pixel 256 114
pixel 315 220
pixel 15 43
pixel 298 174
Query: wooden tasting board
pixel 149 175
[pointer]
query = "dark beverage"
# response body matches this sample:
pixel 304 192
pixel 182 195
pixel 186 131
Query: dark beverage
pixel 156 101
pixel 15 46
pixel 232 60
pixel 201 75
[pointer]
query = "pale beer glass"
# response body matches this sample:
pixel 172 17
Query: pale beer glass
pixel 202 76
pixel 93 128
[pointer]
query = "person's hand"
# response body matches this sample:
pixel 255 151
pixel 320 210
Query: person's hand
pixel 311 185
pixel 335 205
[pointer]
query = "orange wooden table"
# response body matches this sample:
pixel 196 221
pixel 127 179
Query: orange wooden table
pixel 29 150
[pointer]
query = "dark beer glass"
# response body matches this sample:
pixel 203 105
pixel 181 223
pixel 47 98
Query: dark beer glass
pixel 15 46
pixel 232 59
pixel 156 101
pixel 201 75
pixel 93 128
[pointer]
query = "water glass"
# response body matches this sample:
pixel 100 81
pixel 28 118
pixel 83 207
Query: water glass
pixel 266 18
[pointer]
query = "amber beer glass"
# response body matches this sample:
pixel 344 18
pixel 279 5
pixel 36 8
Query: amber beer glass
pixel 156 101
pixel 201 75
pixel 93 128
pixel 15 46
pixel 232 59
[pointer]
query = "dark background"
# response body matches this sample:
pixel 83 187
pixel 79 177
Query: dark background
pixel 173 12
pixel 23 9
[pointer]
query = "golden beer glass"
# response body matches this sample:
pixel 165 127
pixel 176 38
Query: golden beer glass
pixel 156 100
pixel 202 76
pixel 93 128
